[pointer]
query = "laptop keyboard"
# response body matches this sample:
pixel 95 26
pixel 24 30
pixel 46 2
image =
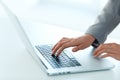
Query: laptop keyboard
pixel 57 62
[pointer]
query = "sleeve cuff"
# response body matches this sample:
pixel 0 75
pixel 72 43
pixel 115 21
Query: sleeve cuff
pixel 95 44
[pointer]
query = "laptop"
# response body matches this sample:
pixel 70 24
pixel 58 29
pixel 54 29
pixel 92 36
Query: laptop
pixel 66 63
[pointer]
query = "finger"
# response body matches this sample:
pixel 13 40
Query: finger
pixel 100 52
pixel 98 49
pixel 59 51
pixel 76 48
pixel 105 55
pixel 54 46
pixel 58 42
pixel 58 45
pixel 116 56
pixel 102 48
pixel 110 55
pixel 106 48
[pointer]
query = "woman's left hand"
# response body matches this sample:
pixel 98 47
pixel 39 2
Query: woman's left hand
pixel 108 50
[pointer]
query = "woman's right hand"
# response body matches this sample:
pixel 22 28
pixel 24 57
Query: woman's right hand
pixel 78 43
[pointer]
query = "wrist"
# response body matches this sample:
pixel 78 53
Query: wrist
pixel 95 43
pixel 92 38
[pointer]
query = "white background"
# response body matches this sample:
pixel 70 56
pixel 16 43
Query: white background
pixel 73 14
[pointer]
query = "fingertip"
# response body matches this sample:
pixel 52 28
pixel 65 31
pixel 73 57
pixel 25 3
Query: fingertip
pixel 58 52
pixel 53 52
pixel 57 55
pixel 95 52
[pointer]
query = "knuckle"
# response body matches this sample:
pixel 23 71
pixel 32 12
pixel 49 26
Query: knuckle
pixel 114 44
pixel 64 38
pixel 102 46
pixel 60 43
pixel 64 46
pixel 110 43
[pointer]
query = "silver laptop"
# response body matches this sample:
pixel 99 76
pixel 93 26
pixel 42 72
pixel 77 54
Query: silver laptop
pixel 66 63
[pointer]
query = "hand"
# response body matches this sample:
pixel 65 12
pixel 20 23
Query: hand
pixel 108 50
pixel 78 43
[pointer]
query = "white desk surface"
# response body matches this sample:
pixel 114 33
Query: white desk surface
pixel 17 64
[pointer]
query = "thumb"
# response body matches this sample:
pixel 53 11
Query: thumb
pixel 76 48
